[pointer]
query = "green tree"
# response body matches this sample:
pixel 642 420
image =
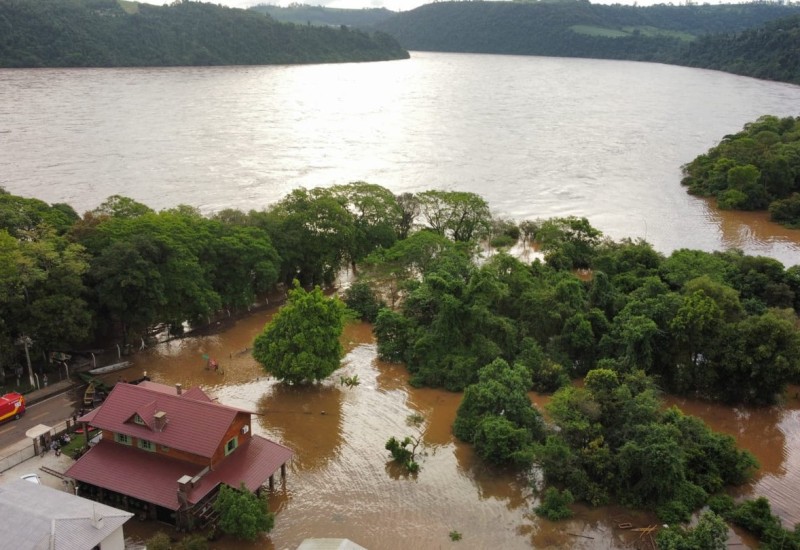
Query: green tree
pixel 497 415
pixel 499 441
pixel 710 533
pixel 243 514
pixel 409 210
pixel 54 310
pixel 376 216
pixel 761 355
pixel 118 206
pixel 555 504
pixel 313 232
pixel 360 298
pixel 573 239
pixel 460 215
pixel 301 343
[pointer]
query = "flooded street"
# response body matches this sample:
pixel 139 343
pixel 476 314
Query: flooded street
pixel 342 483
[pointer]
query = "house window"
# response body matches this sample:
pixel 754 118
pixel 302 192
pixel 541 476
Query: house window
pixel 231 445
pixel 164 448
pixel 138 420
pixel 147 445
pixel 122 438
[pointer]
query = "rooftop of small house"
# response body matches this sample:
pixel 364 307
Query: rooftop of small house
pixel 189 421
pixel 36 516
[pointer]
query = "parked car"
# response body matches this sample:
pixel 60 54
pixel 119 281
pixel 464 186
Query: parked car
pixel 33 478
pixel 12 405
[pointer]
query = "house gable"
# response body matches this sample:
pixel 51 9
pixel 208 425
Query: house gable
pixel 189 422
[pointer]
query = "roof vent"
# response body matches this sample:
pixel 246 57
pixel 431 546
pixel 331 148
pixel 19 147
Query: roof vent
pixel 161 420
pixel 178 389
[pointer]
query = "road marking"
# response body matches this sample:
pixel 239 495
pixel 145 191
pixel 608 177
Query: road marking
pixel 39 415
pixel 6 430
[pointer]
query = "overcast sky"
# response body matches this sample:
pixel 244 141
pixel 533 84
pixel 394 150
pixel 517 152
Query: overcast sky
pixel 403 5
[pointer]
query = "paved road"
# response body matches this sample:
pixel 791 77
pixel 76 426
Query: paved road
pixel 50 412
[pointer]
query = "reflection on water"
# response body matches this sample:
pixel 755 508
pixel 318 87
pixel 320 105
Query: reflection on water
pixel 343 484
pixel 754 232
pixel 772 434
pixel 306 419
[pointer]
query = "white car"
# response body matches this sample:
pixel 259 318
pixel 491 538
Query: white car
pixel 33 478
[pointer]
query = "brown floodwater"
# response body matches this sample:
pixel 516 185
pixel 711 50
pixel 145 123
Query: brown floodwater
pixel 341 482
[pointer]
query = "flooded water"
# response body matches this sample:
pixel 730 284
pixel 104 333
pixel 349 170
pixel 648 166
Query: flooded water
pixel 537 137
pixel 342 483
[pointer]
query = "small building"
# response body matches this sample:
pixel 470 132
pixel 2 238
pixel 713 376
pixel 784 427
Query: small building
pixel 37 517
pixel 165 452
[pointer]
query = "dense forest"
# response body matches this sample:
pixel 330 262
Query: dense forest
pixel 770 52
pixel 317 15
pixel 114 33
pixel 448 300
pixel 662 33
pixel 755 169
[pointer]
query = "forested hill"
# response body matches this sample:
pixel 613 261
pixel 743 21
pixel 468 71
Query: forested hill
pixel 318 15
pixel 573 28
pixel 771 52
pixel 111 33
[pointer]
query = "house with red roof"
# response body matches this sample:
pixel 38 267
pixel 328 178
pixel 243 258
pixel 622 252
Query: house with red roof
pixel 164 453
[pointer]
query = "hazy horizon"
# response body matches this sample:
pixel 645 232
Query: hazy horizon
pixel 405 5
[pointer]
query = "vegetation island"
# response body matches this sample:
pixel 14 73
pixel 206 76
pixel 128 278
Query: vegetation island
pixel 448 300
pixel 755 169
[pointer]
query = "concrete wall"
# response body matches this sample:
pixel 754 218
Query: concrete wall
pixel 16 454
pixel 114 541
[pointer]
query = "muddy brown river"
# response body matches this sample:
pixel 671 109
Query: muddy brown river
pixel 342 483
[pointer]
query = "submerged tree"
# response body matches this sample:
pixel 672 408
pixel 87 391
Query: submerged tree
pixel 404 452
pixel 301 343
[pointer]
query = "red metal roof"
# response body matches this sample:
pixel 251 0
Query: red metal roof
pixel 88 417
pixel 251 464
pixel 193 425
pixel 154 478
pixel 155 386
pixel 133 472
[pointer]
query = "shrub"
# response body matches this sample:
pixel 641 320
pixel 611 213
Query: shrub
pixel 159 541
pixel 555 504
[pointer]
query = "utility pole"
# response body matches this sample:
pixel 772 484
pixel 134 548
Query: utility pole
pixel 26 341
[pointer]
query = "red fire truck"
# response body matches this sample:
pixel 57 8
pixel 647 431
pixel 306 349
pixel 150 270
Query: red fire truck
pixel 12 405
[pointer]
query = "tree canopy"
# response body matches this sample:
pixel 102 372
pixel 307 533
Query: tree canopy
pixel 301 342
pixel 243 514
pixel 755 169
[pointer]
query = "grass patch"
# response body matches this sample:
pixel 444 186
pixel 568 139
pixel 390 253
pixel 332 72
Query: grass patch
pixel 644 30
pixel 77 441
pixel 655 31
pixel 129 7
pixel 591 30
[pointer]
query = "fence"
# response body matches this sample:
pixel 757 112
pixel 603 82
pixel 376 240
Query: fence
pixel 26 449
pixel 17 457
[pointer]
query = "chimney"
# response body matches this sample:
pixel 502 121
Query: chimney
pixel 184 486
pixel 161 420
pixel 97 519
pixel 178 388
